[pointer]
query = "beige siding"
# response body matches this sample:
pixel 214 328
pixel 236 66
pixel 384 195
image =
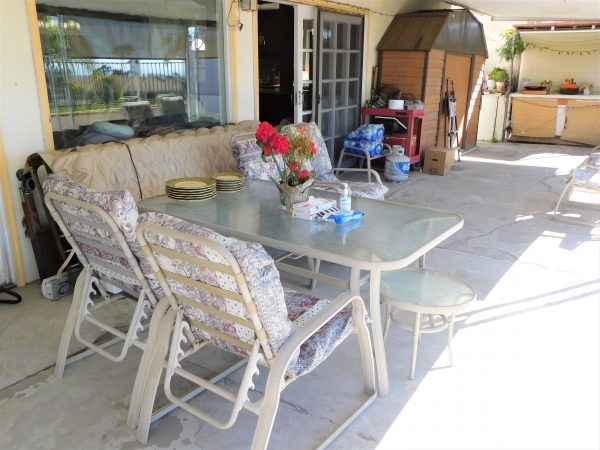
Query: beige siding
pixel 403 70
pixel 433 92
pixel 474 105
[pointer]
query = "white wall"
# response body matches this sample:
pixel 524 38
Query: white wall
pixel 492 30
pixel 245 67
pixel 545 65
pixel 491 117
pixel 20 118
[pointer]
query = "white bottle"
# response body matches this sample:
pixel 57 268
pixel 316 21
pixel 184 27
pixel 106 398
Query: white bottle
pixel 345 200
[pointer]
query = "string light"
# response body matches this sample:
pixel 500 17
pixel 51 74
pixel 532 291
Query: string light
pixel 560 52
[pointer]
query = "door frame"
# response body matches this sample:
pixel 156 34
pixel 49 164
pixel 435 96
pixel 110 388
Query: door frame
pixel 298 97
pixel 321 5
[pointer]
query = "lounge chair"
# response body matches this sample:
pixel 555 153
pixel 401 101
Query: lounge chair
pixel 228 293
pixel 100 227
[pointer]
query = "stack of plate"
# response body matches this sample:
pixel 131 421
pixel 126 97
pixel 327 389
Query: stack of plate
pixel 191 188
pixel 229 181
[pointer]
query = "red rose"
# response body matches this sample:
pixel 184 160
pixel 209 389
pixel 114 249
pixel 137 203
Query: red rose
pixel 304 174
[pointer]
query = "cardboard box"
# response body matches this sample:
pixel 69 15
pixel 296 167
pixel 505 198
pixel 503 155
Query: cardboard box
pixel 438 161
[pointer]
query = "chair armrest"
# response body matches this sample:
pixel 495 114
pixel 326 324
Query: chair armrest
pixel 302 334
pixel 336 186
pixel 373 172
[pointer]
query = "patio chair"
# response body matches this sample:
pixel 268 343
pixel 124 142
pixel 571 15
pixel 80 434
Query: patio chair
pixel 248 155
pixel 228 293
pixel 137 111
pixel 172 105
pixel 321 163
pixel 100 227
pixel 586 176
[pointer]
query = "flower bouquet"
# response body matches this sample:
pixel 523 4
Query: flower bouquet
pixel 289 151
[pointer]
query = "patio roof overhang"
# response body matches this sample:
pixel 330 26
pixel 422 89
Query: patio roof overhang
pixel 554 10
pixel 582 39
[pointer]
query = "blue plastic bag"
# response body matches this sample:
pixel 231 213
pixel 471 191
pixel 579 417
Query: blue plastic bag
pixel 370 132
pixel 373 148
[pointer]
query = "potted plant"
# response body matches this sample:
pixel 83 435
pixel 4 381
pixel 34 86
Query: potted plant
pixel 505 51
pixel 289 151
pixel 499 75
pixel 490 84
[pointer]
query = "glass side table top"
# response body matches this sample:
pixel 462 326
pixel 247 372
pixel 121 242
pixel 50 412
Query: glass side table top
pixel 391 235
pixel 426 289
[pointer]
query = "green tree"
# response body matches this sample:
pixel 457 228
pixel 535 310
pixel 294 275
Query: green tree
pixel 107 86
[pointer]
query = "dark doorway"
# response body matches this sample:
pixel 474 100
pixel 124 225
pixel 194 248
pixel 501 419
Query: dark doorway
pixel 276 62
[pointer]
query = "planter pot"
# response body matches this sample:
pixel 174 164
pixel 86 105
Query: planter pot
pixel 500 86
pixel 288 195
pixel 491 85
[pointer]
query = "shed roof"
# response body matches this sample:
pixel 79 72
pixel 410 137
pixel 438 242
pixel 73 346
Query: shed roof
pixel 448 29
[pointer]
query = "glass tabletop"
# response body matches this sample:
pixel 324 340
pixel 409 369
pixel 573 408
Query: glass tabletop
pixel 390 236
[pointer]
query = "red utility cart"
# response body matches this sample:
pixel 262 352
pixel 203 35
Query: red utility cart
pixel 414 124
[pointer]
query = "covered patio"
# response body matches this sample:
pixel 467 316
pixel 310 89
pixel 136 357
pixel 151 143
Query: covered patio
pixel 527 359
pixel 122 120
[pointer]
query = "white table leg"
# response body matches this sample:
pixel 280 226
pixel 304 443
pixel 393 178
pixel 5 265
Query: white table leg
pixel 416 339
pixel 376 327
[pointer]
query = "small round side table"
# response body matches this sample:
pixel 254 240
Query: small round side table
pixel 434 296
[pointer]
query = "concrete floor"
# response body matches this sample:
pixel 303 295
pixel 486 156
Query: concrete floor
pixel 527 372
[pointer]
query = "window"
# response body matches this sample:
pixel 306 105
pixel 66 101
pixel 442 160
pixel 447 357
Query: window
pixel 115 70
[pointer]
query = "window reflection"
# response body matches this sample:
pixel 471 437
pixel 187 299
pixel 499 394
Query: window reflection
pixel 113 74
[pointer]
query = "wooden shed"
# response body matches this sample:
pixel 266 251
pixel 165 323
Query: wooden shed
pixel 420 51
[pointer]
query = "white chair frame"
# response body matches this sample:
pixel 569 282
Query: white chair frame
pixel 339 187
pixel 365 156
pixel 326 185
pixel 313 264
pixel 573 182
pixel 162 355
pixel 82 305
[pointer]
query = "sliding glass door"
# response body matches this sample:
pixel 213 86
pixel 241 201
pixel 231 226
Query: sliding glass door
pixel 340 73
pixel 155 69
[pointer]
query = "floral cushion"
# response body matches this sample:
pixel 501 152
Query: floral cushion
pixel 324 170
pixel 302 308
pixel 118 204
pixel 320 161
pixel 122 208
pixel 257 266
pixel 249 158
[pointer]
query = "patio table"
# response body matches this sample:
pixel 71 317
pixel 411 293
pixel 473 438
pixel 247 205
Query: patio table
pixel 390 236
